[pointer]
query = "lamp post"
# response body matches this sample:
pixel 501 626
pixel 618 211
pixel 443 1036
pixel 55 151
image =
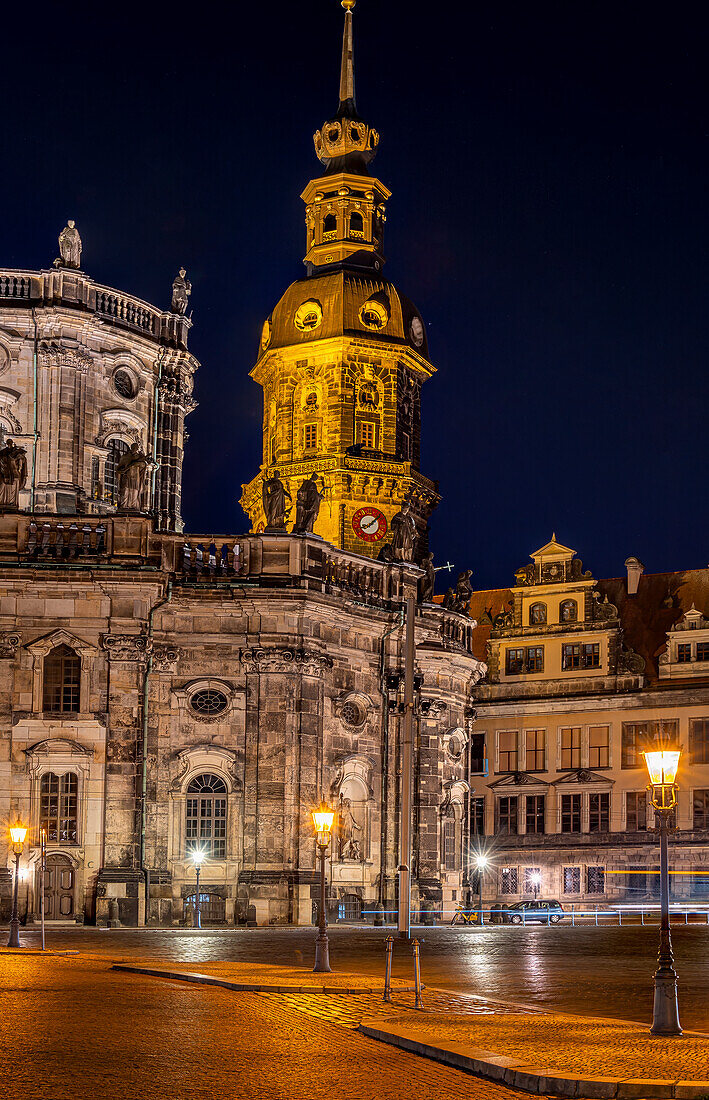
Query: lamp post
pixel 662 768
pixel 322 822
pixel 481 862
pixel 18 832
pixel 197 858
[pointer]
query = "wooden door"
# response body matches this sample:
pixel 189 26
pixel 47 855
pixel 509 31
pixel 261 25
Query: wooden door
pixel 58 889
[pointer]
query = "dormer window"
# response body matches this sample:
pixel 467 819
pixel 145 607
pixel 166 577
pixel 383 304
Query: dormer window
pixel 538 614
pixel 308 316
pixel 568 611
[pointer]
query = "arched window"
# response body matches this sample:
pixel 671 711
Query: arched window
pixel 356 223
pixel 329 224
pixel 206 816
pixel 116 449
pixel 568 612
pixel 538 614
pixel 57 811
pixel 61 681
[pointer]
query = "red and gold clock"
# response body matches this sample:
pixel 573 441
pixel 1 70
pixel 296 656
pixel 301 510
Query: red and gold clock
pixel 369 524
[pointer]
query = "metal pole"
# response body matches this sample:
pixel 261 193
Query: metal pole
pixel 407 760
pixel 665 1014
pixel 197 914
pixel 322 947
pixel 480 886
pixel 14 940
pixel 387 972
pixel 43 866
pixel 417 974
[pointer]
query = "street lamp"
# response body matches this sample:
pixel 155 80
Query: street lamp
pixel 322 822
pixel 18 832
pixel 662 769
pixel 536 880
pixel 197 858
pixel 481 862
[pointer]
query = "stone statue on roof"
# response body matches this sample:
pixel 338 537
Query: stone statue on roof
pixel 69 247
pixel 403 534
pixel 13 474
pixel 133 475
pixel 274 494
pixel 428 580
pixel 181 290
pixel 307 505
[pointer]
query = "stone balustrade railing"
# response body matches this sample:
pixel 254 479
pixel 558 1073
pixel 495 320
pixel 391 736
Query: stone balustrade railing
pixel 211 557
pixel 75 290
pixel 64 541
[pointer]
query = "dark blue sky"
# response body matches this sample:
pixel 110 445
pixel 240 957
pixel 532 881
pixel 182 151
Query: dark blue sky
pixel 548 165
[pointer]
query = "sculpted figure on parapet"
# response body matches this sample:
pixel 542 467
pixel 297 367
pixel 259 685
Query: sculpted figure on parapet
pixel 132 474
pixel 274 494
pixel 307 505
pixel 403 534
pixel 428 580
pixel 69 246
pixel 13 474
pixel 181 290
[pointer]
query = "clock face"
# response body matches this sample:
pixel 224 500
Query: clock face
pixel 369 524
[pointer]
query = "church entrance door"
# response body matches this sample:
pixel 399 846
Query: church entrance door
pixel 58 889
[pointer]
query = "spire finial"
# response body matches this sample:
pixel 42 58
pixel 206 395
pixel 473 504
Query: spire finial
pixel 347 68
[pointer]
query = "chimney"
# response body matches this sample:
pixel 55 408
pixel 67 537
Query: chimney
pixel 635 571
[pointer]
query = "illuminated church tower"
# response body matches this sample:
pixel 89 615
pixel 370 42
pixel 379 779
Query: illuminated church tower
pixel 343 356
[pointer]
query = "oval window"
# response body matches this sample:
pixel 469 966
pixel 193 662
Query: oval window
pixel 308 316
pixel 208 702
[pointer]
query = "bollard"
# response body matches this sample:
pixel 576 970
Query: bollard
pixel 387 972
pixel 417 974
pixel 573 916
pixel 620 917
pixel 642 915
pixel 596 916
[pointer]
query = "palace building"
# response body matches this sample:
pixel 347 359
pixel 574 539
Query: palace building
pixel 583 676
pixel 163 691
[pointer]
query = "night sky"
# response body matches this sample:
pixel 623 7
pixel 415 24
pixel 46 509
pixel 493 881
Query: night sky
pixel 548 164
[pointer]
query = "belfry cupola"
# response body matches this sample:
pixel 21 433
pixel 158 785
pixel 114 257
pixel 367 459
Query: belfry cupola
pixel 346 207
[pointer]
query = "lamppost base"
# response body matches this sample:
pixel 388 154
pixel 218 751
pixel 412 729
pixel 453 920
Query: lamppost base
pixel 665 1013
pixel 14 940
pixel 322 955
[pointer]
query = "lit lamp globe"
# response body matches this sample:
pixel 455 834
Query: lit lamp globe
pixel 662 766
pixel 481 862
pixel 198 857
pixel 18 832
pixel 322 823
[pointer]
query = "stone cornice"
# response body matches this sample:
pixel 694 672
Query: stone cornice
pixel 285 659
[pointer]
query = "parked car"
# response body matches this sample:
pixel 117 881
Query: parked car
pixel 546 912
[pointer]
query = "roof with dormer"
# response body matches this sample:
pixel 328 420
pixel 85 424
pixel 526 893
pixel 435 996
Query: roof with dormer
pixel 341 295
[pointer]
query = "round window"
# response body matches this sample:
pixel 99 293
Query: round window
pixel 353 713
pixel 374 314
pixel 308 316
pixel 124 384
pixel 208 702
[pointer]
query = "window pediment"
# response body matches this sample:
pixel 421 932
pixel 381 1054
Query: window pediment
pixel 584 776
pixel 64 746
pixel 519 779
pixel 43 645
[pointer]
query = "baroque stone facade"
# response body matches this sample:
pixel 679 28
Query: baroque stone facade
pixel 280 678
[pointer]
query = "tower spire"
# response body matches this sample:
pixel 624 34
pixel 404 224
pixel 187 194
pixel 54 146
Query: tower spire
pixel 347 94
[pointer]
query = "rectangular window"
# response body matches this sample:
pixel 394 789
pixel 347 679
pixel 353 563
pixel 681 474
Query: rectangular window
pixel 535 658
pixel 579 655
pixel 703 651
pixel 507 751
pixel 535 750
pixel 636 737
pixel 599 812
pixel 508 880
pixel 700 806
pixel 699 740
pixel 571 813
pixel 367 435
pixel 477 753
pixel 635 811
pixel 535 813
pixel 572 880
pixel 532 879
pixel 310 437
pixel 570 749
pixel 450 846
pixel 507 815
pixel 58 807
pixel 598 747
pixel 514 663
pixel 684 653
pixel 477 816
pixel 595 880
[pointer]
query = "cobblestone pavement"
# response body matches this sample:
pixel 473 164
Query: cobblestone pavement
pixel 73 1029
pixel 349 1011
pixel 592 971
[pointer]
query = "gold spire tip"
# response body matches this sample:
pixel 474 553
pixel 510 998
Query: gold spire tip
pixel 348 4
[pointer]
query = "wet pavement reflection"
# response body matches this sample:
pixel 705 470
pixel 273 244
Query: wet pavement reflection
pixel 602 971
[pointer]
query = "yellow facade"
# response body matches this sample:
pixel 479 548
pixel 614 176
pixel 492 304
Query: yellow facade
pixel 343 356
